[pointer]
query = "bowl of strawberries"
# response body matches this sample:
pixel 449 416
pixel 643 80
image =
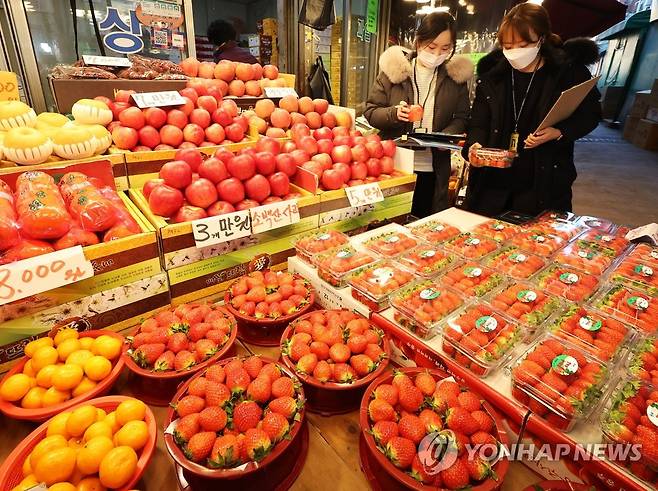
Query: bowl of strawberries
pixel 265 302
pixel 336 354
pixel 239 422
pixel 422 431
pixel 175 343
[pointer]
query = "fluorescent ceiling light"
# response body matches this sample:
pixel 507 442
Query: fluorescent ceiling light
pixel 536 2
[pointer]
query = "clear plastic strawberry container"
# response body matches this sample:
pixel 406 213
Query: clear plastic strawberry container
pixel 558 381
pixel 306 245
pixel 427 260
pixel 471 246
pixel 645 253
pixel 585 258
pixel 596 223
pixel 537 242
pixel 637 274
pixel 526 303
pixel 567 282
pixel 422 306
pixel 599 240
pixel 434 231
pixel 565 230
pixel 562 216
pixel 373 284
pixel 391 244
pixel 642 363
pixel 629 305
pixel 491 157
pixel 599 334
pixel 497 230
pixel 480 338
pixel 515 262
pixel 335 265
pixel 472 279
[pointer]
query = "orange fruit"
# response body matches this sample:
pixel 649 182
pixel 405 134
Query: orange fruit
pixel 27 466
pixel 64 334
pixel 117 467
pixel 33 346
pixel 97 368
pixel 92 453
pixel 15 387
pixel 28 370
pixel 75 443
pixel 66 347
pixel 130 410
pixel 46 355
pixel 133 434
pixel 86 343
pixel 55 466
pixel 45 446
pixel 67 376
pixel 99 428
pixel 83 387
pixel 54 396
pixel 62 486
pixel 81 419
pixel 79 357
pixel 111 420
pixel 107 346
pixel 45 376
pixel 90 484
pixel 57 425
pixel 100 414
pixel 34 398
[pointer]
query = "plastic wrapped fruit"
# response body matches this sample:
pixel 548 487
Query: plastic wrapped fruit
pixel 585 259
pixel 335 265
pixel 471 246
pixel 373 284
pixel 91 111
pixel 643 362
pixel 26 146
pixel 391 244
pixel 434 231
pixel 596 239
pixel 596 223
pixel 74 142
pixel 497 230
pixel 599 334
pixel 526 303
pixel 426 260
pixel 565 230
pixel 514 262
pixel 637 274
pixel 566 282
pixel 40 207
pixel 646 254
pixel 16 114
pixel 480 338
pixel 491 157
pixel 472 279
pixel 537 242
pixel 319 241
pixel 51 120
pixel 631 306
pixel 558 382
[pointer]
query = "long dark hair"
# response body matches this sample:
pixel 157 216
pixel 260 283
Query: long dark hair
pixel 526 17
pixel 434 24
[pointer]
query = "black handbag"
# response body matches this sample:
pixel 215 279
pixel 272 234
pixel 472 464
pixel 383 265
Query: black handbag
pixel 317 82
pixel 318 14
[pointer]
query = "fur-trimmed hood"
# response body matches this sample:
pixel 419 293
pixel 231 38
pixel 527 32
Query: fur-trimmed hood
pixel 395 63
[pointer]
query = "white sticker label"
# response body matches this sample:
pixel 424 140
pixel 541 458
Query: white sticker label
pixel 518 258
pixel 158 99
pixel 439 227
pixel 643 270
pixel 324 236
pixel 526 296
pixel 392 239
pixel 277 92
pixel 429 294
pixel 365 194
pixel 569 278
pixel 345 253
pixel 498 226
pixel 472 272
pixel 540 238
pixel 177 40
pixel 39 274
pixel 565 365
pixel 428 253
pixel 652 413
pixel 381 276
pixel 472 241
pixel 106 60
pixel 589 324
pixel 215 230
pixel 486 323
pixel 606 238
pixel 273 216
pixel 654 254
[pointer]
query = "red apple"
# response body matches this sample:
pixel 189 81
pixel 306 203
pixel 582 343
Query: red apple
pixel 325 146
pixel 323 133
pixel 104 99
pixel 222 116
pixel 242 167
pixel 165 200
pixel 265 163
pixel 415 113
pixel 207 102
pixel 344 140
pixel 344 171
pixel 190 93
pixel 300 156
pixel 164 146
pixel 246 204
pixel 324 159
pixel 171 135
pixel 194 133
pixel 214 170
pixel 257 188
pixel 220 208
pixel 200 117
pixel 188 213
pixel 375 149
pixel 320 105
pixel 149 137
pixel 150 185
pixel 389 148
pixel 308 144
pixel 271 199
pixel 155 117
pixel 124 96
pixel 242 121
pixel 234 132
pixel 329 120
pixel 360 153
pixel 331 179
pixel 231 190
pixel 230 107
pixel 132 117
pixel 192 156
pixel 223 154
pixel 286 164
pixel 280 118
pixel 388 165
pixel 279 184
pixel 266 144
pixel 359 170
pixel 275 133
pixel 340 131
pixel 288 147
pixel 271 72
pixel 225 70
pixel 177 174
pixel 177 118
pixel 374 167
pixel 187 107
pixel 342 153
pixel 117 108
pixel 298 130
pixel 190 66
pixel 125 138
pixel 201 193
pixel 215 134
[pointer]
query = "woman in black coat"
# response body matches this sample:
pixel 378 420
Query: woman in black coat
pixel 517 86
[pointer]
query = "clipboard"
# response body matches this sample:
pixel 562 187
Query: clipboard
pixel 443 141
pixel 567 103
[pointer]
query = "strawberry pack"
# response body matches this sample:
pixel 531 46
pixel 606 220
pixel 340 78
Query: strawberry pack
pixel 596 239
pixel 312 243
pixel 373 284
pixel 390 244
pixel 564 230
pixel 526 303
pixel 497 230
pixel 645 253
pixel 593 261
pixel 538 242
pixel 514 262
pixel 427 260
pixel 643 362
pixel 637 274
pixel 335 265
pixel 629 305
pixel 566 282
pixel 434 231
pixel 471 246
pixel 472 279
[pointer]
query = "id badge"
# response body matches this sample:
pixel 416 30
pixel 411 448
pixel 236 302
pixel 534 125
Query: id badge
pixel 514 142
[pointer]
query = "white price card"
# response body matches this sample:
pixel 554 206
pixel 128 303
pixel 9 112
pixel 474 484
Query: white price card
pixel 158 99
pixel 274 215
pixel 43 273
pixel 221 228
pixel 365 194
pixel 328 297
pixel 650 231
pixel 177 40
pixel 279 92
pixel 106 60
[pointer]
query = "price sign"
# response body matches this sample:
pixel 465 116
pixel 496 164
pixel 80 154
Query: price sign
pixel 276 92
pixel 177 40
pixel 328 297
pixel 275 215
pixel 9 87
pixel 215 230
pixel 42 273
pixel 106 60
pixel 158 99
pixel 366 194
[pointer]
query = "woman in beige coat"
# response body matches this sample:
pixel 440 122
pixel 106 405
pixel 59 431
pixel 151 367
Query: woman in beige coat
pixel 432 77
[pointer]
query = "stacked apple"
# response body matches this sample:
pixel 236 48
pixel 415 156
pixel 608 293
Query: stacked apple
pixel 190 188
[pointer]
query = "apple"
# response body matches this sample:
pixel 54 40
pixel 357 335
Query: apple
pixel 125 138
pixel 190 93
pixel 355 182
pixel 177 174
pixel 132 117
pixel 289 103
pixel 194 133
pixel 331 179
pixel 188 213
pixel 375 149
pixel 236 88
pixel 329 120
pixel 300 156
pixel 156 117
pixel 388 166
pixel 264 108
pixel 389 148
pixel 230 106
pixel 217 93
pixel 298 130
pixel 149 137
pixel 231 190
pixel 374 167
pixel 200 117
pixel 323 133
pixel 222 116
pixel 252 88
pixel 112 126
pixel 190 155
pixel 199 85
pixel 258 71
pixel 104 99
pixel 165 200
pixel 117 108
pixel 288 147
pixel 374 138
pixel 286 164
pixel 279 184
pixel 342 153
pixel 171 135
pixel 257 188
pixel 280 118
pixel 343 140
pixel 225 70
pixel 344 171
pixel 187 107
pixel 297 118
pixel 242 167
pixel 305 105
pixel 214 170
pixel 201 193
pixel 344 119
pixel 358 170
pixel 266 144
pixel 271 199
pixel 220 208
pixel 320 106
pixel 259 123
pixel 124 96
pixel 359 140
pixel 275 133
pixel 313 167
pixel 340 131
pixel 207 102
pixel 187 144
pixel 271 72
pixel 246 204
pixel 223 154
pixel 206 69
pixel 324 159
pixel 325 146
pixel 308 144
pixel 265 163
pixel 242 121
pixel 190 66
pixel 234 132
pixel 150 185
pixel 415 113
pixel 314 120
pixel 360 153
pixel 164 146
pixel 215 134
pixel 355 133
pixel 177 118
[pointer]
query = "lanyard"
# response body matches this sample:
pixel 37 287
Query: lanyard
pixel 429 90
pixel 517 116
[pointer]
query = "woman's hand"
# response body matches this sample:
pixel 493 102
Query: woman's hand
pixel 473 162
pixel 541 137
pixel 403 111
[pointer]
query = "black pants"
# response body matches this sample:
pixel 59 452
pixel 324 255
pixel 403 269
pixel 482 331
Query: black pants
pixel 431 194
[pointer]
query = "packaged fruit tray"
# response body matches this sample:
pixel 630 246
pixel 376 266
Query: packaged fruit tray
pixel 596 223
pixel 601 335
pixel 565 230
pixel 594 261
pixel 335 265
pixel 491 157
pixel 526 303
pixel 373 284
pixel 480 339
pixel 427 260
pixel 471 246
pixel 560 216
pixel 596 239
pixel 538 242
pixel 643 360
pixel 497 230
pixel 567 282
pixel 391 244
pixel 558 381
pixel 472 279
pixel 514 262
pixel 629 305
pixel 645 253
pixel 637 274
pixel 424 305
pixel 434 231
pixel 306 245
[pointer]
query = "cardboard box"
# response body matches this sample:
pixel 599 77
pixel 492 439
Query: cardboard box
pixel 652 114
pixel 629 127
pixel 646 135
pixel 643 101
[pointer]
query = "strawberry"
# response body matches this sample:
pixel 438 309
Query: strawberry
pixel 286 406
pixel 219 337
pixel 459 419
pixel 412 427
pixel 460 441
pixel 205 348
pixel 198 387
pixel 295 350
pixel 246 415
pixel 149 325
pixel 237 380
pixel 339 353
pixel 189 404
pixel 383 431
pixel 275 425
pixel 410 397
pixel 456 476
pixel 323 371
pixel 140 339
pixel 307 363
pixel 357 343
pixel 253 365
pixel 431 420
pixel 419 472
pixel 283 386
pixel 400 451
pixel 217 394
pixel 216 373
pixel 380 410
pixel 373 336
pixel 483 438
pixel 400 379
pixel 184 360
pixel 200 445
pixel 320 349
pixel 344 374
pixel 478 469
pixel 374 352
pixel 426 383
pixel 198 331
pixel 362 365
pixel 165 362
pixel 147 354
pixel 469 401
pixel 484 420
pixel 178 342
pixel 260 389
pixel 272 371
pixel 186 426
pixel 233 366
pixel 258 444
pixel 647 436
pixel 159 336
pixel 225 452
pixel 387 392
pixel 441 401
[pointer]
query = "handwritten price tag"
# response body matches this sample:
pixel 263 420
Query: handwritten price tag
pixel 328 297
pixel 42 273
pixel 9 87
pixel 158 99
pixel 279 92
pixel 215 230
pixel 106 60
pixel 275 215
pixel 366 194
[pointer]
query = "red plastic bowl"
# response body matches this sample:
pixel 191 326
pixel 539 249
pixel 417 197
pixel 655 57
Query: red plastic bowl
pixel 11 472
pixel 44 413
pixel 330 397
pixel 157 388
pixel 559 486
pixel 246 470
pixel 378 460
pixel 264 332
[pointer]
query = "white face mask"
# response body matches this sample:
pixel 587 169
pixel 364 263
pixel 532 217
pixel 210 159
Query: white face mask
pixel 430 60
pixel 520 58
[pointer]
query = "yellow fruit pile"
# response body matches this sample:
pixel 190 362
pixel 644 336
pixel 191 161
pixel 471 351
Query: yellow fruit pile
pixel 87 449
pixel 61 368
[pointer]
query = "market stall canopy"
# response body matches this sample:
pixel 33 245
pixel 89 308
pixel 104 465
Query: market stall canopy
pixel 633 23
